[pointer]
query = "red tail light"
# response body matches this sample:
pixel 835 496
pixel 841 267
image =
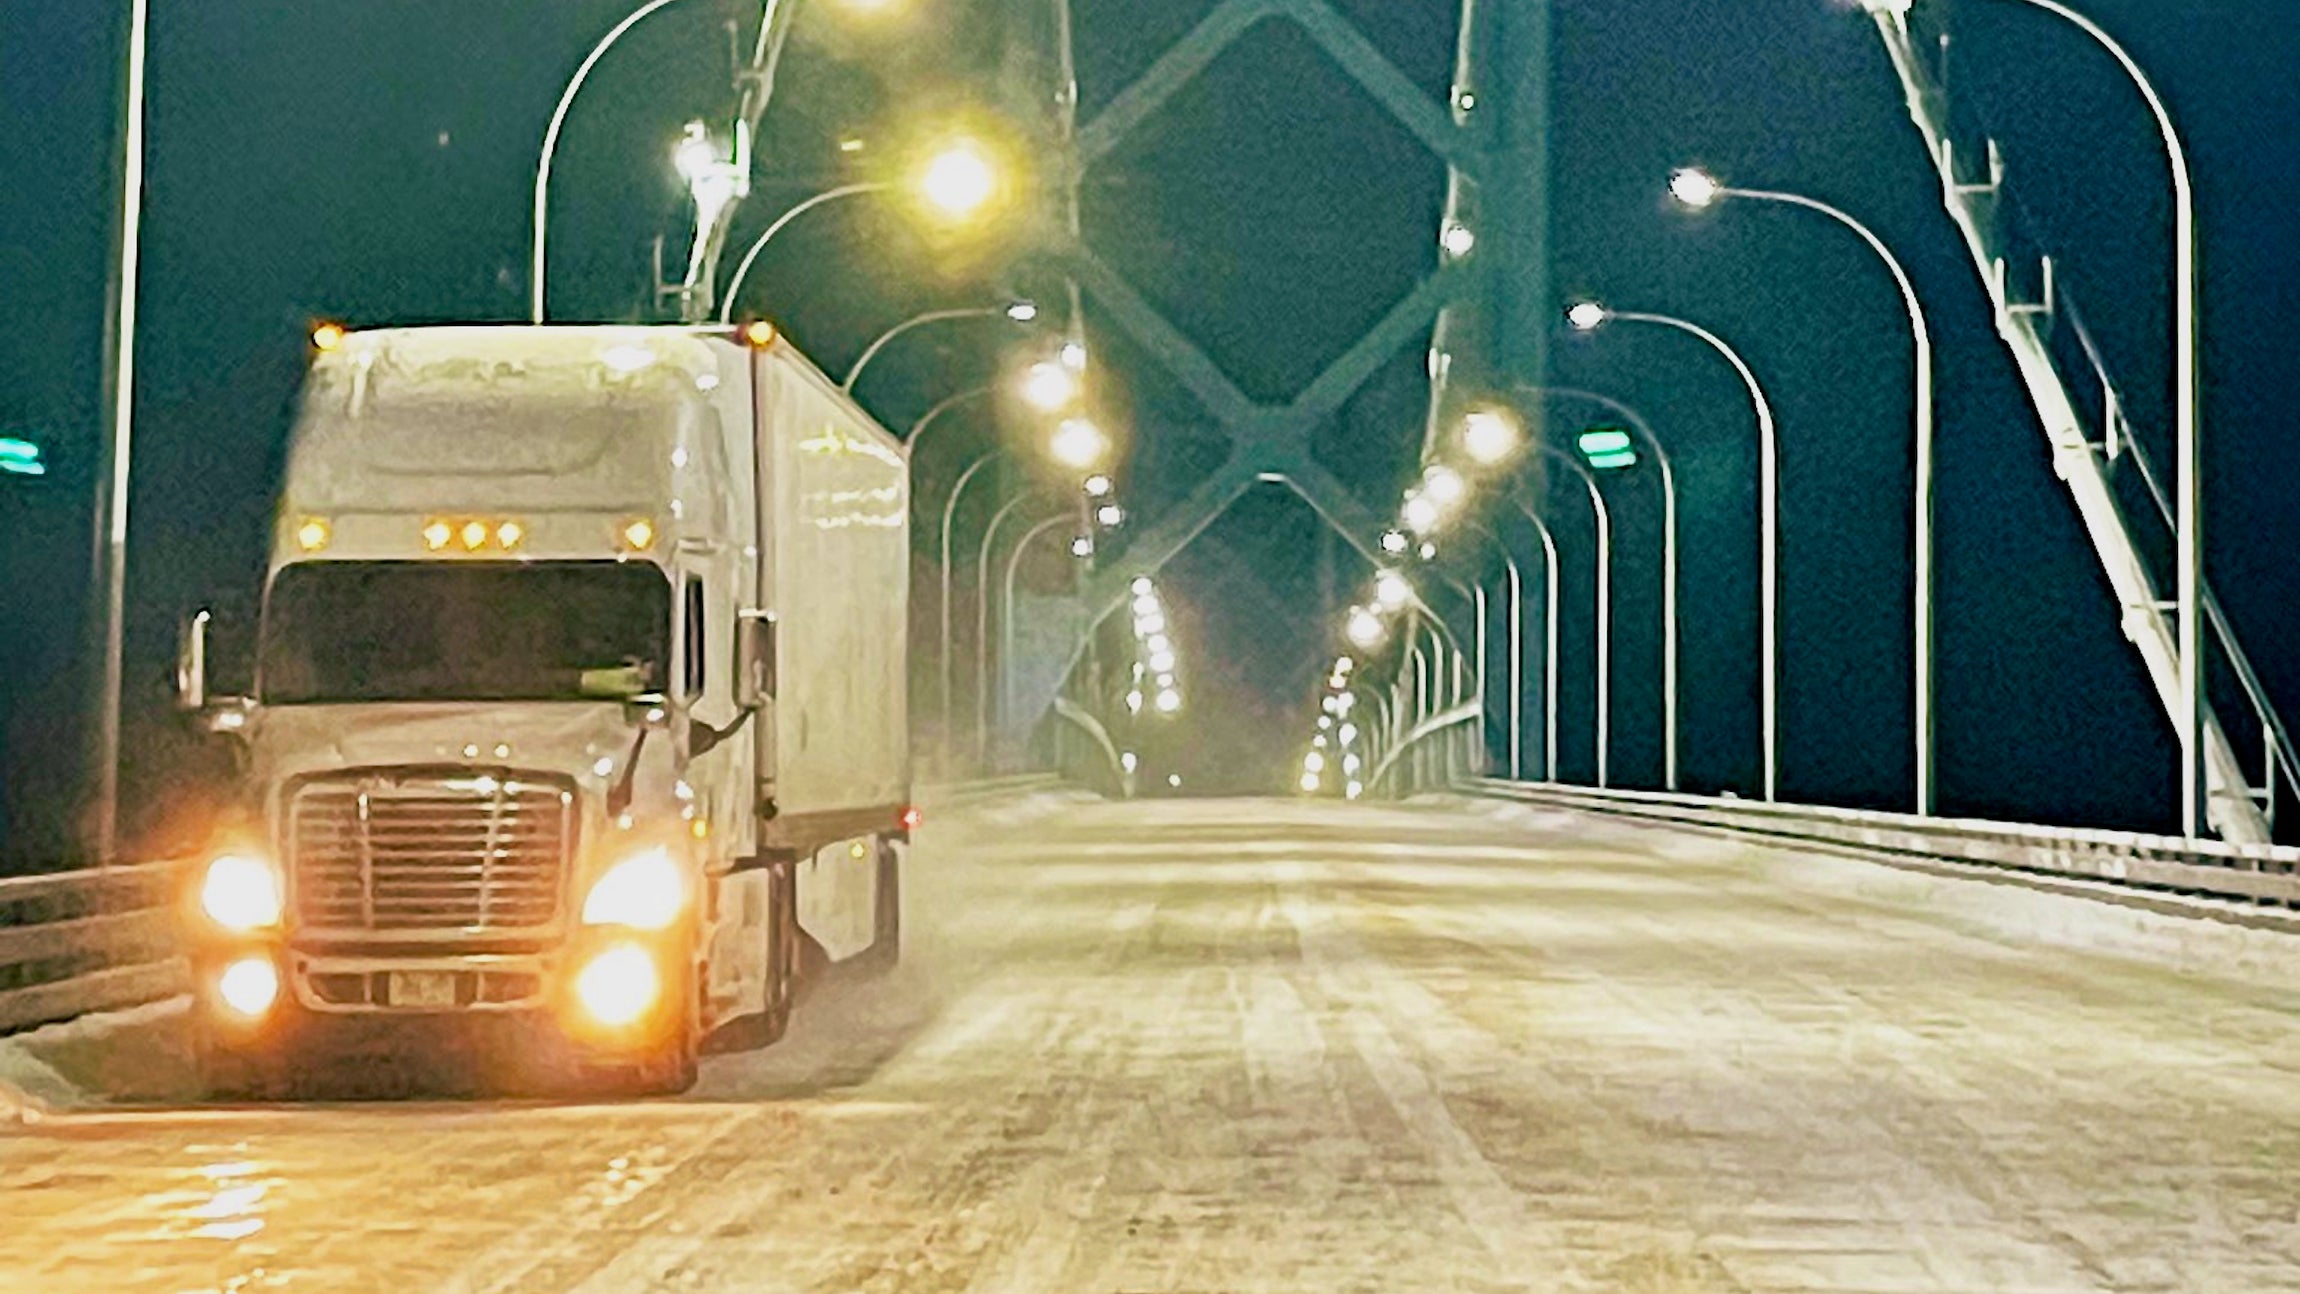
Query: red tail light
pixel 910 818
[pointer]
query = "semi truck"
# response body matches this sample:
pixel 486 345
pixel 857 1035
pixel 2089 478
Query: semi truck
pixel 577 722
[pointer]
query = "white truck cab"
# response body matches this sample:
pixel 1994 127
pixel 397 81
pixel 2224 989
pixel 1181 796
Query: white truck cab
pixel 579 706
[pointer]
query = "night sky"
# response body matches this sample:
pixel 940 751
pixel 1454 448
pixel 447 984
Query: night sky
pixel 371 163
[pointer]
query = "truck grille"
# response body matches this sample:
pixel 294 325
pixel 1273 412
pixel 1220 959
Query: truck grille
pixel 430 851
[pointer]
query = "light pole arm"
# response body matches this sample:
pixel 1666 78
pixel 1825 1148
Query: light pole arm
pixel 1922 333
pixel 881 341
pixel 551 146
pixel 948 403
pixel 758 245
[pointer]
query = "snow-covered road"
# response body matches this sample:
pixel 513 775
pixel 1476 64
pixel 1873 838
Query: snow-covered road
pixel 1287 1046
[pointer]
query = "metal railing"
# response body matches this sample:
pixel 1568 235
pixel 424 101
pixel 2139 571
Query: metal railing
pixel 1438 752
pixel 76 942
pixel 2253 875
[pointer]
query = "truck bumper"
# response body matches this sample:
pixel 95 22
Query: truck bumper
pixel 496 1021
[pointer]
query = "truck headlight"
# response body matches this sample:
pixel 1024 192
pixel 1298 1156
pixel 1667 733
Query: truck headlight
pixel 646 891
pixel 241 893
pixel 619 985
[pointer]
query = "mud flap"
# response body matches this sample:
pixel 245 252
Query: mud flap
pixel 838 897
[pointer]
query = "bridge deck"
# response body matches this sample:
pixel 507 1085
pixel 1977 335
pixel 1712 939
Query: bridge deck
pixel 1287 1046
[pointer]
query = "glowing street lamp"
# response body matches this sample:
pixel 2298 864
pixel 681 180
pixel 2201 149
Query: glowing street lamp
pixel 1420 513
pixel 1489 436
pixel 1392 591
pixel 1588 316
pixel 960 180
pixel 1695 188
pixel 1049 387
pixel 1366 629
pixel 1078 443
pixel 1443 486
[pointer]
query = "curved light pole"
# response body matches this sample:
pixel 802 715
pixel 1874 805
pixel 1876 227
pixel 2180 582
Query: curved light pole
pixel 759 244
pixel 1603 519
pixel 1006 616
pixel 1549 630
pixel 1588 316
pixel 1018 311
pixel 551 146
pixel 982 624
pixel 941 407
pixel 1698 190
pixel 2188 419
pixel 1669 642
pixel 1516 649
pixel 943 655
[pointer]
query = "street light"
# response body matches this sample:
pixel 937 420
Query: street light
pixel 1443 486
pixel 1366 629
pixel 1589 316
pixel 942 183
pixel 1018 311
pixel 1078 443
pixel 1489 436
pixel 1602 520
pixel 941 407
pixel 759 244
pixel 535 280
pixel 1392 591
pixel 1698 189
pixel 1420 513
pixel 2188 528
pixel 1049 387
pixel 1639 429
pixel 960 180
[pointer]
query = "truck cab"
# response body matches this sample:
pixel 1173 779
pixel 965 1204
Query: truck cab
pixel 577 723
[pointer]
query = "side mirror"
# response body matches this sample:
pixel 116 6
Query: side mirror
pixel 192 663
pixel 755 659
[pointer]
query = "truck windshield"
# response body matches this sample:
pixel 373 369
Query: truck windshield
pixel 464 631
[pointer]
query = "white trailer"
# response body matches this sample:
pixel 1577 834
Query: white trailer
pixel 579 696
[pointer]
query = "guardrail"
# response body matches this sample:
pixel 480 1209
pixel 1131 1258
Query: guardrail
pixel 1435 752
pixel 76 942
pixel 2252 875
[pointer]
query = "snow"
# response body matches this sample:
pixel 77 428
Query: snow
pixel 1293 1045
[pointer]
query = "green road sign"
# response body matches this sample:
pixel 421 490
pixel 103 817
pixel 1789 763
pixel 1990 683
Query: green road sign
pixel 20 458
pixel 1608 448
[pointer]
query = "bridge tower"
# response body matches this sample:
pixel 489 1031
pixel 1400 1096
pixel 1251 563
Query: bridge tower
pixel 1485 306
